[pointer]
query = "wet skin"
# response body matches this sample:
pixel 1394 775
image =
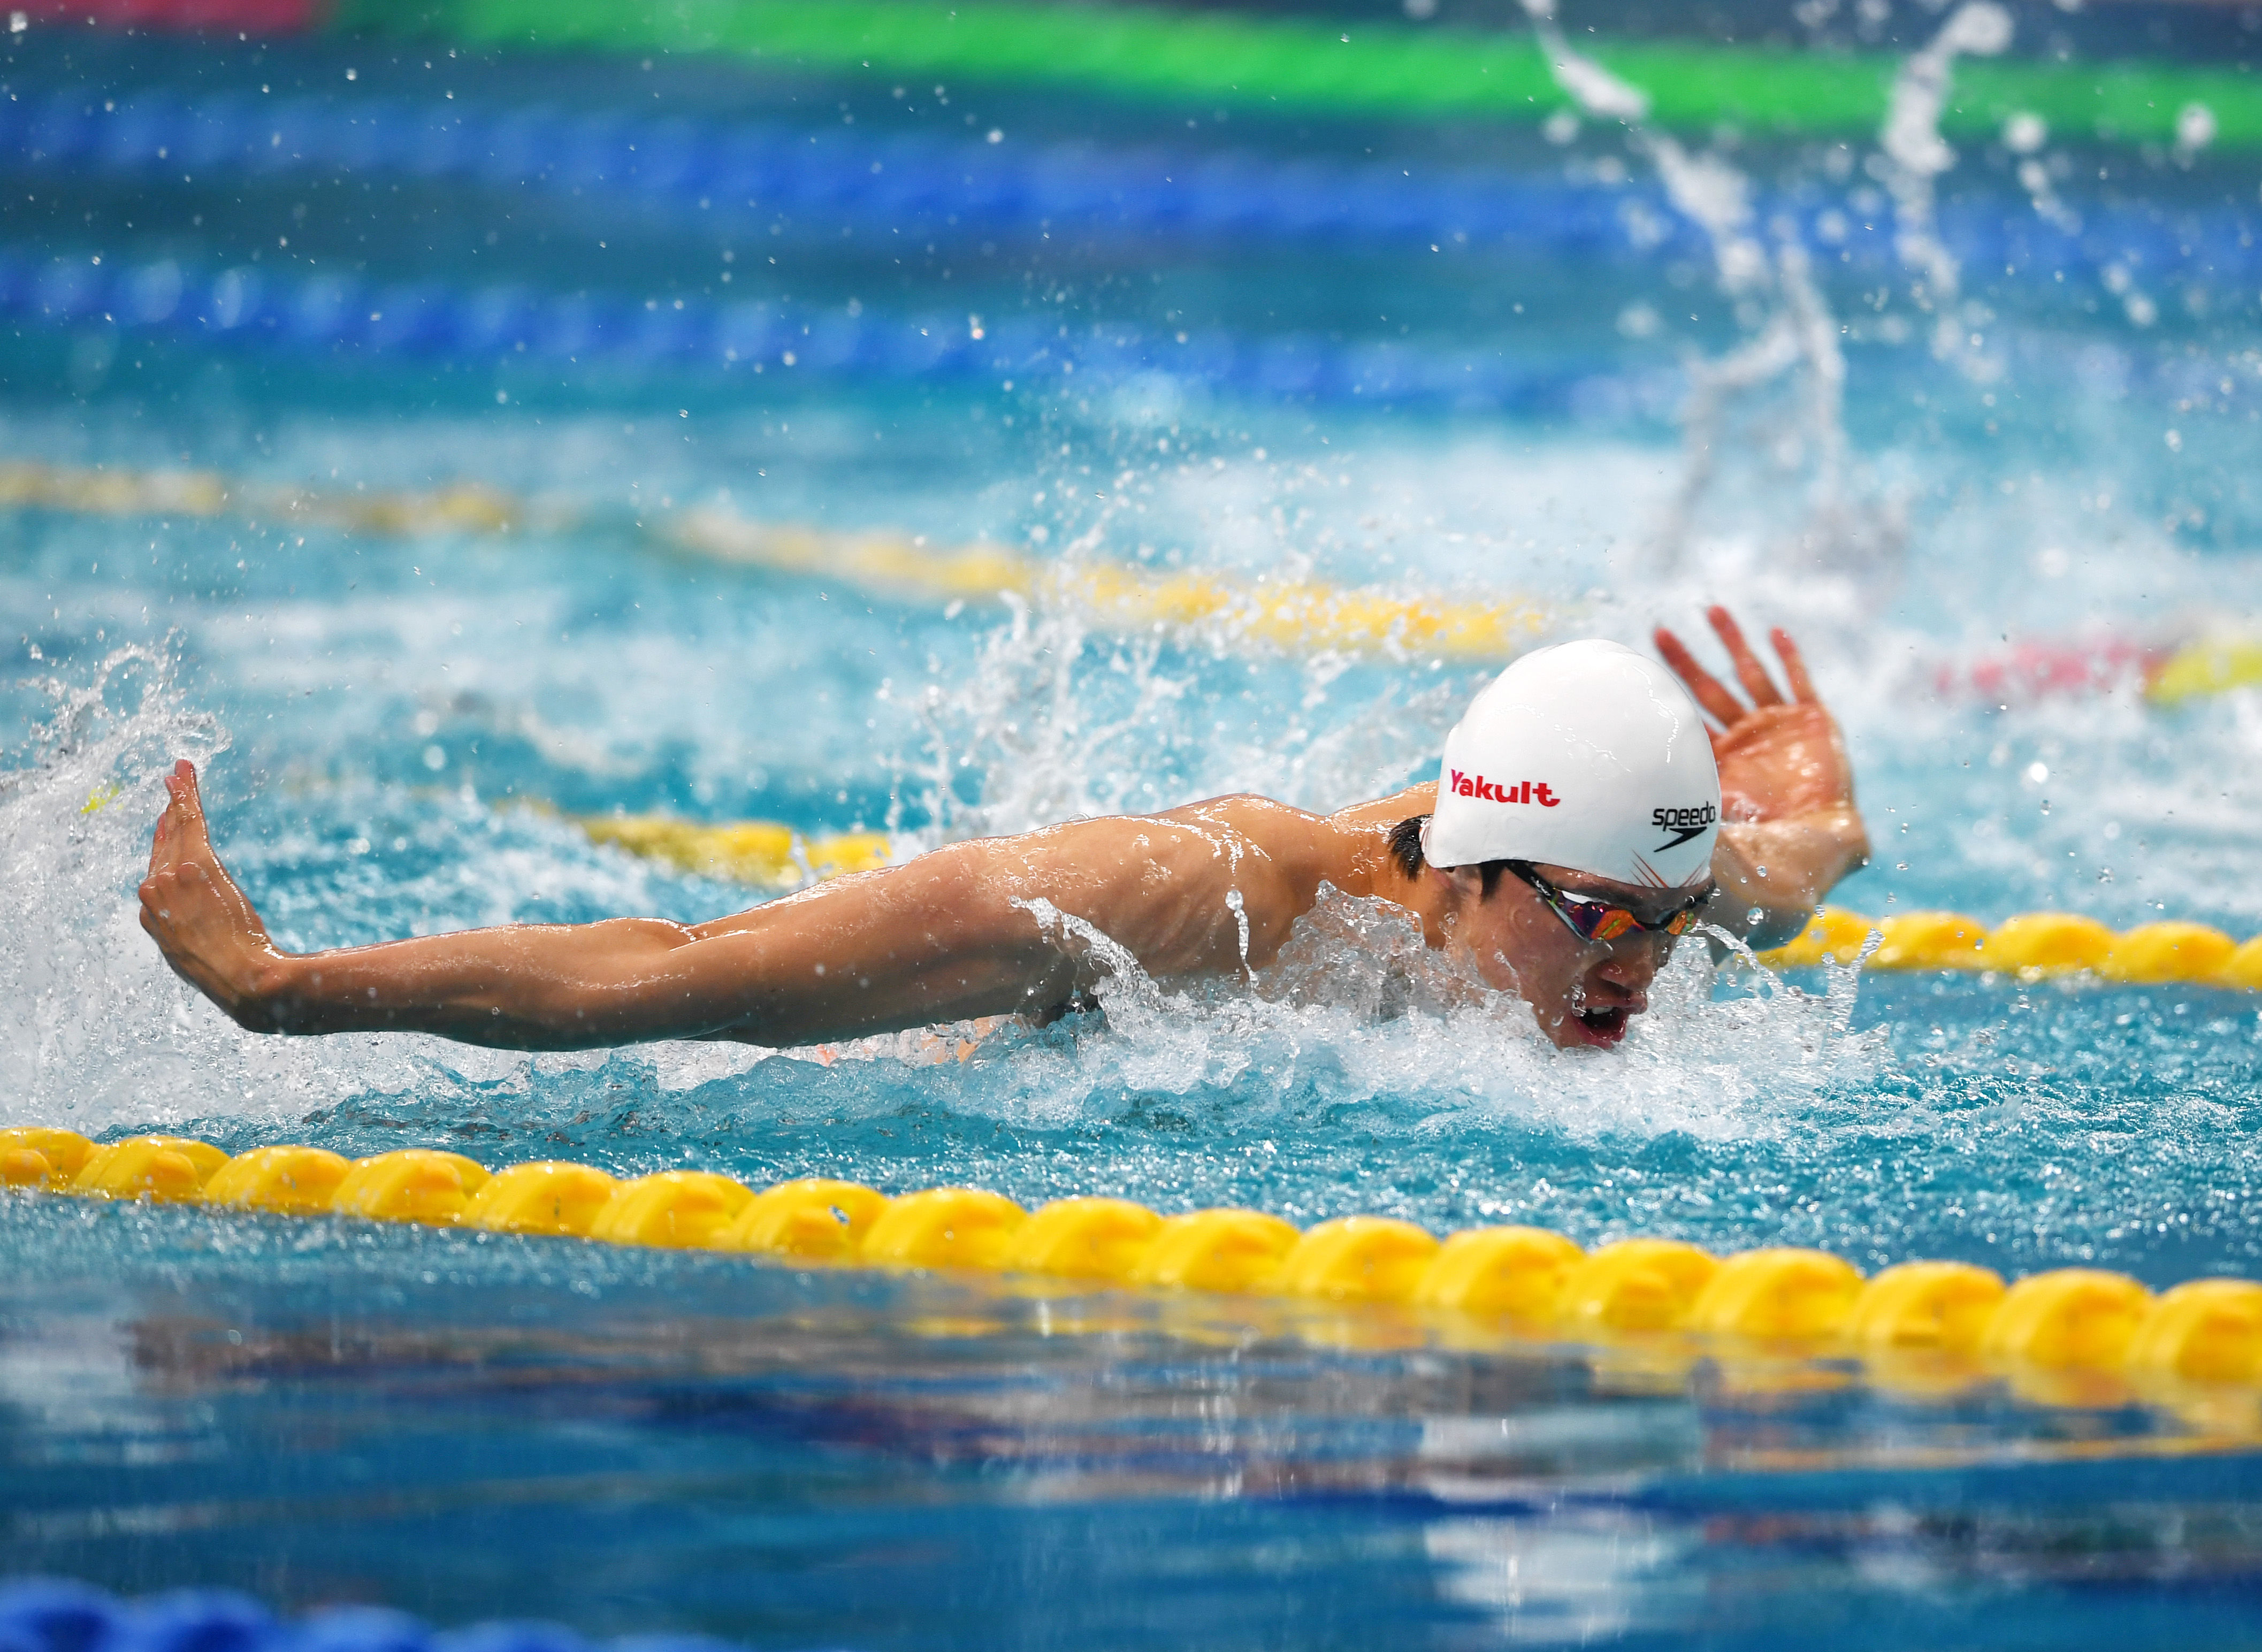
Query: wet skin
pixel 1003 926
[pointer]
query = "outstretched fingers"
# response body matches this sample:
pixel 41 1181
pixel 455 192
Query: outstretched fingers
pixel 1794 667
pixel 1721 705
pixel 1749 671
pixel 181 828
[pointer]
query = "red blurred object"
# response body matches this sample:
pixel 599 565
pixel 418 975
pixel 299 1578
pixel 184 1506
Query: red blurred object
pixel 244 16
pixel 2051 667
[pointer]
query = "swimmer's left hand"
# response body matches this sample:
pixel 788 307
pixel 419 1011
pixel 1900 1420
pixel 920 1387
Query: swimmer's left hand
pixel 1779 759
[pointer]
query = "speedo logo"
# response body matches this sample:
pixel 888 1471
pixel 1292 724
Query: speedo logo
pixel 1515 791
pixel 1684 824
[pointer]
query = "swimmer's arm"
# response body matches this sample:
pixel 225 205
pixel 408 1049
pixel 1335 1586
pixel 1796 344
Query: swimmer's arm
pixel 908 947
pixel 936 939
pixel 1792 830
pixel 1773 874
pixel 947 936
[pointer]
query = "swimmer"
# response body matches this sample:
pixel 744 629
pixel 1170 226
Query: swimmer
pixel 1584 818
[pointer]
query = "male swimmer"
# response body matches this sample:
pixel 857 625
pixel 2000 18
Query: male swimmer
pixel 1583 817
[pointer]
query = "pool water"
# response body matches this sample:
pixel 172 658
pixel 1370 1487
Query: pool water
pixel 394 727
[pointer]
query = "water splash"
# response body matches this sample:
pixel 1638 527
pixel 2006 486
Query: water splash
pixel 96 1031
pixel 1053 721
pixel 87 1008
pixel 1798 332
pixel 1916 155
pixel 1358 1011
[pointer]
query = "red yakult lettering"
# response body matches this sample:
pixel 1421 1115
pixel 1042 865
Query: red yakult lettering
pixel 1493 791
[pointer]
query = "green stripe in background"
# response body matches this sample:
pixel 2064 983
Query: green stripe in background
pixel 1303 65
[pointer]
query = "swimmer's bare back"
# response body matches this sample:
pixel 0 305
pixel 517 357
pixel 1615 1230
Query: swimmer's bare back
pixel 952 935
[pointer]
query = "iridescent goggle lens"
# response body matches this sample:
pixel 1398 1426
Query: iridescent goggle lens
pixel 1599 920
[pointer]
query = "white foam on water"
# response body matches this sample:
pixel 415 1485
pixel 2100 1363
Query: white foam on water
pixel 96 1032
pixel 1357 1011
pixel 93 1025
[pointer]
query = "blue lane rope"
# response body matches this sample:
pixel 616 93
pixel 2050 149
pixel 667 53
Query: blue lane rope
pixel 39 1614
pixel 344 316
pixel 933 187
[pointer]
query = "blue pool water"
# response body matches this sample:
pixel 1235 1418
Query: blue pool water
pixel 472 1426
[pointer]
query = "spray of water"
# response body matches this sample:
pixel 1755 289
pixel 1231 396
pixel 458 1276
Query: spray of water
pixel 96 1031
pixel 1357 1010
pixel 1915 154
pixel 1798 333
pixel 1056 721
pixel 87 1011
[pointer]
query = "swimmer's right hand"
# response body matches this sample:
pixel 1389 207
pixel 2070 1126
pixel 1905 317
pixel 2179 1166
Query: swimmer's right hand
pixel 1779 759
pixel 200 920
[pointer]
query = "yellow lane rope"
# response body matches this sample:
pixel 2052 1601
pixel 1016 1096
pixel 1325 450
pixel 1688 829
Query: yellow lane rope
pixel 1296 615
pixel 765 853
pixel 2029 947
pixel 1282 614
pixel 1288 614
pixel 2076 1336
pixel 2210 665
pixel 100 492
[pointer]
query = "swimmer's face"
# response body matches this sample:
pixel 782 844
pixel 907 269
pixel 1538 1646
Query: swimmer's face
pixel 1582 992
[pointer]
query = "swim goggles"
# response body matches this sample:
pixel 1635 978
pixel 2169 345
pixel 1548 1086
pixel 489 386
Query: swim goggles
pixel 1599 920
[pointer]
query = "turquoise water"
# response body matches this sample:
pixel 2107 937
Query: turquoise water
pixel 472 1426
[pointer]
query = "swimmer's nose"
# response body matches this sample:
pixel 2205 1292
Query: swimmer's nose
pixel 1621 981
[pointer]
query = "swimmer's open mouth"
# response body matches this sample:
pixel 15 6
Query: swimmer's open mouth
pixel 1603 1025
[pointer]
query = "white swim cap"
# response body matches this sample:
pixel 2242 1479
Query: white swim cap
pixel 1585 755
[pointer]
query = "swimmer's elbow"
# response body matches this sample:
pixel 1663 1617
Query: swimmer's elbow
pixel 627 982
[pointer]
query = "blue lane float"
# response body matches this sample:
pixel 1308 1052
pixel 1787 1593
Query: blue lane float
pixel 53 1615
pixel 919 184
pixel 342 316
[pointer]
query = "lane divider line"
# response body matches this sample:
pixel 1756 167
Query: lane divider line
pixel 1293 616
pixel 957 189
pixel 1281 64
pixel 2068 1335
pixel 53 1614
pixel 516 331
pixel 2030 947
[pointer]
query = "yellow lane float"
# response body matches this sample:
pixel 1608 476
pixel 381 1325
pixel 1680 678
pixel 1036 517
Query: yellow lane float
pixel 40 1155
pixel 550 1197
pixel 1357 1259
pixel 763 852
pixel 1635 1285
pixel 1512 1273
pixel 1285 614
pixel 1778 1296
pixel 1941 1308
pixel 679 1209
pixel 1084 1239
pixel 2069 1335
pixel 416 1184
pixel 823 1221
pixel 157 1167
pixel 1226 1251
pixel 2029 947
pixel 292 1181
pixel 944 1226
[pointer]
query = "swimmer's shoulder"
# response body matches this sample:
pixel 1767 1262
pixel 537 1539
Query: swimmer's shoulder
pixel 1383 813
